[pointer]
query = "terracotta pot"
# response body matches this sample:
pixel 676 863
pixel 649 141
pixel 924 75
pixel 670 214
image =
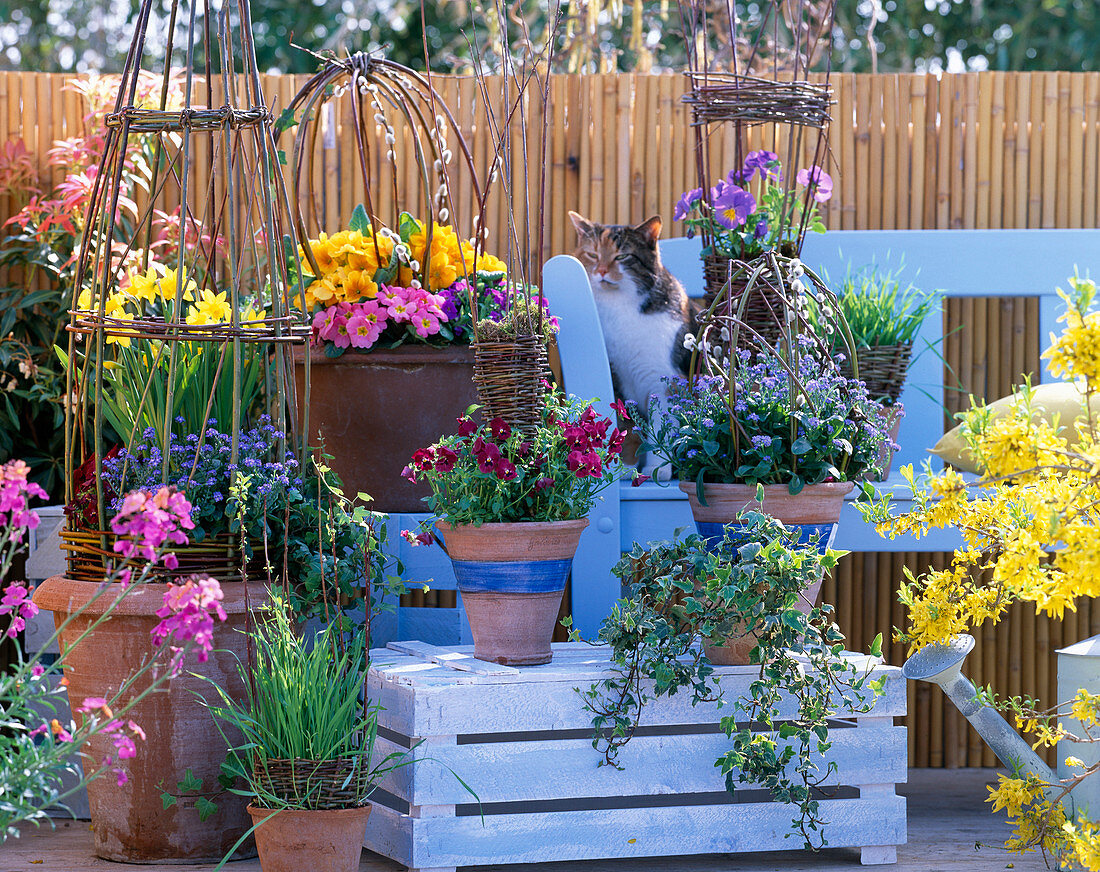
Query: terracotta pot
pixel 325 840
pixel 512 604
pixel 375 409
pixel 893 415
pixel 815 511
pixel 129 821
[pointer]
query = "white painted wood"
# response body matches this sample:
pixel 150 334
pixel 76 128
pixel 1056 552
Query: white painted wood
pixel 878 855
pixel 522 742
pixel 538 837
pixel 651 766
pixel 441 701
pixel 451 659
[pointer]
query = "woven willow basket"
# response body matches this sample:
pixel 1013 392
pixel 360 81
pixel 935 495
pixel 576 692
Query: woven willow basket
pixel 88 559
pixel 314 784
pixel 883 369
pixel 758 314
pixel 511 376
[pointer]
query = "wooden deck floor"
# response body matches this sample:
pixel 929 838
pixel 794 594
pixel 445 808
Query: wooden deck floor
pixel 947 818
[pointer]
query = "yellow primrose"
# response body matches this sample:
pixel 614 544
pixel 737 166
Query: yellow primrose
pixel 359 284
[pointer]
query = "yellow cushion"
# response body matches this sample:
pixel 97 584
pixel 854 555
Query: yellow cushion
pixel 1060 404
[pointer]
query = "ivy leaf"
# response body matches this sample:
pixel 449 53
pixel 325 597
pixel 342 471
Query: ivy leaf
pixel 190 783
pixel 205 807
pixel 876 646
pixel 167 800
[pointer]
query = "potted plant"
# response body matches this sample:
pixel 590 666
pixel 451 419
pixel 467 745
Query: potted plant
pixel 510 507
pixel 884 317
pixel 392 314
pixel 752 211
pixel 1030 526
pixel 306 761
pixel 799 438
pixel 693 604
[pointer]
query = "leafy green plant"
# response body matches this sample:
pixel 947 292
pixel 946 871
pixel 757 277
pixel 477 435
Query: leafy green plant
pixel 879 308
pixel 684 596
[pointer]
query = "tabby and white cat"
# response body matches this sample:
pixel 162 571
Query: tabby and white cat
pixel 643 309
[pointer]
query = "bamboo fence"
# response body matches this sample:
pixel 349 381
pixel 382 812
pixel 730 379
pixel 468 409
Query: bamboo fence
pixel 908 151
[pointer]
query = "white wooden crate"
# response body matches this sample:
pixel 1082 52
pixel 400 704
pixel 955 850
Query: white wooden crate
pixel 522 740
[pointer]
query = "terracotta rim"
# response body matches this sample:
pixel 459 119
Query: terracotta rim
pixel 66 595
pixel 815 504
pixel 403 355
pixel 509 542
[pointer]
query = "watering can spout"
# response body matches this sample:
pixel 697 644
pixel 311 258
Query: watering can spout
pixel 942 664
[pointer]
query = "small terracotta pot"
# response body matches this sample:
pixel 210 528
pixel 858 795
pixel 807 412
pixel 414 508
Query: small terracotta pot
pixel 322 840
pixel 129 821
pixel 512 577
pixel 814 511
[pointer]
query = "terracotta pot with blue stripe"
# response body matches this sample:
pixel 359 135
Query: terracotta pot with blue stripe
pixel 512 577
pixel 814 511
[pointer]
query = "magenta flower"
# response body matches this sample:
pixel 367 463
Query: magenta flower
pixel 16 601
pixel 188 616
pixel 817 179
pixel 15 491
pixel 147 522
pixel 732 205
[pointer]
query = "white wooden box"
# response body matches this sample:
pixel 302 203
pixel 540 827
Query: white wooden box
pixel 522 740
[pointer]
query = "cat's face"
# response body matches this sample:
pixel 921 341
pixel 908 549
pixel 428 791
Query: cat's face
pixel 614 252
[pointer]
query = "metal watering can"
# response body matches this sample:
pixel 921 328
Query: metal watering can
pixel 942 665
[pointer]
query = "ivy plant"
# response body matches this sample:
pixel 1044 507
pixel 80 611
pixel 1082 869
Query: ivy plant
pixel 685 596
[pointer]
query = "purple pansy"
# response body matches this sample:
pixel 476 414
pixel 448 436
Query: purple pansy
pixel 764 162
pixel 689 199
pixel 732 205
pixel 820 180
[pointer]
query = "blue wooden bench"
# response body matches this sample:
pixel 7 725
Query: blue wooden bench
pixel 960 263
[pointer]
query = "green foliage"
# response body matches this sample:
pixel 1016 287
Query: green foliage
pixel 878 307
pixel 493 473
pixel 750 587
pixel 302 703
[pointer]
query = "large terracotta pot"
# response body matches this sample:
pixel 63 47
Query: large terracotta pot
pixel 814 512
pixel 129 821
pixel 375 409
pixel 324 840
pixel 512 577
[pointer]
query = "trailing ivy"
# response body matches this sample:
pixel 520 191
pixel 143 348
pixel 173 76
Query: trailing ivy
pixel 749 590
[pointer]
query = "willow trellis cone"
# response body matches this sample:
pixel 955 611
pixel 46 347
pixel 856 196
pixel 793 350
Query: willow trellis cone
pixel 182 305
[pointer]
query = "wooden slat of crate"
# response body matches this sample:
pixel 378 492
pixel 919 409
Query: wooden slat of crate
pixel 438 843
pixel 520 738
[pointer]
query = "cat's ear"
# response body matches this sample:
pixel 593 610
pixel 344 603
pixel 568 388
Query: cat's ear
pixel 650 230
pixel 583 225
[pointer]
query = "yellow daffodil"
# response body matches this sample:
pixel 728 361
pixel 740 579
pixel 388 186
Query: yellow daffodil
pixel 211 308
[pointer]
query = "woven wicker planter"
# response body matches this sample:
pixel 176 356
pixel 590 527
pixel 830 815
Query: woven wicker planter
pixel 883 369
pixel 85 555
pixel 510 375
pixel 314 784
pixel 758 313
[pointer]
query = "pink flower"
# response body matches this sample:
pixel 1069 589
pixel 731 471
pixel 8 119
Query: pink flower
pixel 426 323
pixel 39 731
pixel 93 703
pixel 819 180
pixel 15 491
pixel 17 603
pixel 147 522
pixel 188 616
pixel 362 331
pixel 38 670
